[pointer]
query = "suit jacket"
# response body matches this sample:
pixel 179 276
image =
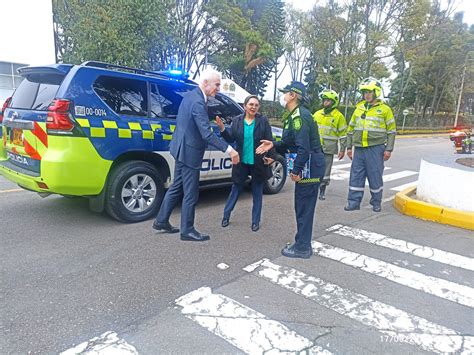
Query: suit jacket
pixel 193 131
pixel 235 133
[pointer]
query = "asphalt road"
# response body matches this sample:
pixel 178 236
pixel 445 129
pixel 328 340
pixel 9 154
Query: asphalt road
pixel 69 275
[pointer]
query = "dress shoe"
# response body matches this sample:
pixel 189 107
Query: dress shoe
pixel 352 208
pixel 377 208
pixel 165 227
pixel 225 222
pixel 255 227
pixel 290 252
pixel 195 237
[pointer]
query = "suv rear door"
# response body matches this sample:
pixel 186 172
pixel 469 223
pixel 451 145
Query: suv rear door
pixel 26 139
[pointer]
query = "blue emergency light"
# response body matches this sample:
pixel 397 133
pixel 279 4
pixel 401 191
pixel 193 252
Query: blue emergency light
pixel 176 72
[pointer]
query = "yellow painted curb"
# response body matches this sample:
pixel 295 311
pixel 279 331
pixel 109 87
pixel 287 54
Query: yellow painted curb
pixel 427 211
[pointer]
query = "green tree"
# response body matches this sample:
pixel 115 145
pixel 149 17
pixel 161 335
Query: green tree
pixel 125 32
pixel 248 39
pixel 437 55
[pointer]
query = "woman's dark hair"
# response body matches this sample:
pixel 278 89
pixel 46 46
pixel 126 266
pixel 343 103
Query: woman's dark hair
pixel 247 99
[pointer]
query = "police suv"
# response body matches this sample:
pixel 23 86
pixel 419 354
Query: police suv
pixel 103 131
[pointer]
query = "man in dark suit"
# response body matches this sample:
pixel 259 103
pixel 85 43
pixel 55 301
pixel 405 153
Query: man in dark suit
pixel 192 135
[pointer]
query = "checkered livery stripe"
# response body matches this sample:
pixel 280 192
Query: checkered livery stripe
pixel 122 130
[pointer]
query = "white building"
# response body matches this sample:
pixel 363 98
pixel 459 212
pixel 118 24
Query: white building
pixel 233 90
pixel 27 38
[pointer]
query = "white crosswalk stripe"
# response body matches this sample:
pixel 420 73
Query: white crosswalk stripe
pixel 106 344
pixel 341 171
pixel 406 327
pixel 252 332
pixel 340 174
pixel 222 315
pixel 241 326
pixel 435 286
pixel 396 176
pixel 341 166
pixel 404 186
pixel 404 246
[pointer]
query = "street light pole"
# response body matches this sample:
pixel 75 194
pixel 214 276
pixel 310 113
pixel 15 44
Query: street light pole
pixel 460 94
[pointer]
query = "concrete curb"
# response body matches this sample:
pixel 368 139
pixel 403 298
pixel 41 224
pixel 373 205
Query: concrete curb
pixel 427 211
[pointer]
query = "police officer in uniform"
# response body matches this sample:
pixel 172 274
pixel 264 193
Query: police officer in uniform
pixel 332 131
pixel 300 136
pixel 372 132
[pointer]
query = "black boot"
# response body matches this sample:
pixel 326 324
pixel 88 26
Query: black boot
pixel 322 192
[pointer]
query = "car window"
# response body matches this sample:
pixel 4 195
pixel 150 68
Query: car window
pixel 46 94
pixel 123 96
pixel 223 107
pixel 155 102
pixel 34 95
pixel 165 99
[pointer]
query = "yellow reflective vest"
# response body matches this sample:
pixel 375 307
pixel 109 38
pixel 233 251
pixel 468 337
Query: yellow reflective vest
pixel 332 129
pixel 372 125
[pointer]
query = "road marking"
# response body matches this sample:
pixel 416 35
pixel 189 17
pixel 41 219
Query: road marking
pixel 222 266
pixel 384 200
pixel 404 246
pixel 342 166
pixel 400 325
pixel 348 165
pixel 405 186
pixel 447 290
pixel 388 199
pixel 11 190
pixel 337 174
pixel 241 326
pixel 105 344
pixel 340 175
pixel 341 162
pixel 396 176
pixel 252 267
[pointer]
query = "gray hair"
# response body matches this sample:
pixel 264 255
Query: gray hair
pixel 209 74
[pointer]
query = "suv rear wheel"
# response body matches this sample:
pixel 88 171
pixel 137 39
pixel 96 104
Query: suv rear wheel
pixel 134 191
pixel 278 179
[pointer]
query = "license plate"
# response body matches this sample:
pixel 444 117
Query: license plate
pixel 17 136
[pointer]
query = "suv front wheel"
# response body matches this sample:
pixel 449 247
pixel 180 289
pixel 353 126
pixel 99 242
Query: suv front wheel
pixel 134 191
pixel 277 181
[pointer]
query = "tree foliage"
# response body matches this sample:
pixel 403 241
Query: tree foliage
pixel 249 39
pixel 125 32
pixel 421 49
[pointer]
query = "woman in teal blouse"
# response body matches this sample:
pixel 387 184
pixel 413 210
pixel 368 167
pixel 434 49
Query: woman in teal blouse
pixel 246 131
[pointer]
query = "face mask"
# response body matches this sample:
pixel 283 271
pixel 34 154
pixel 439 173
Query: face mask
pixel 282 101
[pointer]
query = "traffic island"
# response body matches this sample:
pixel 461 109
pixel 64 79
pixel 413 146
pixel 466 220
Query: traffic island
pixel 445 193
